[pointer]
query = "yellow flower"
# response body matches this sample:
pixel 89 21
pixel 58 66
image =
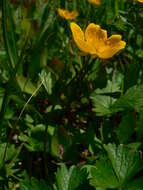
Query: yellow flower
pixel 141 1
pixel 95 41
pixel 67 14
pixel 96 2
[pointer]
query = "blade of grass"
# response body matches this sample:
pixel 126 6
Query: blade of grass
pixel 8 87
pixel 12 53
pixel 5 34
pixel 49 20
pixel 7 93
pixel 12 34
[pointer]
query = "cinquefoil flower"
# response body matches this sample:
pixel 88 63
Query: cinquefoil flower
pixel 95 41
pixel 96 2
pixel 141 1
pixel 67 14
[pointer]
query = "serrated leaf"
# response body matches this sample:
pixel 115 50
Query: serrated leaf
pixel 102 175
pixel 102 104
pixel 126 162
pixel 34 142
pixel 101 98
pixel 33 184
pixel 47 81
pixel 69 179
pixel 62 178
pixel 132 99
pixel 77 177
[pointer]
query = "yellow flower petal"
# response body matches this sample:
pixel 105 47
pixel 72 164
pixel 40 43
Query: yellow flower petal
pixel 95 35
pixel 95 41
pixel 96 2
pixel 78 36
pixel 141 1
pixel 114 39
pixel 67 14
pixel 111 47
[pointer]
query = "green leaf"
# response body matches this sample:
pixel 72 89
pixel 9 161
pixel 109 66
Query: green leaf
pixel 69 179
pixel 136 184
pixel 102 175
pixel 11 151
pixel 39 15
pixel 35 141
pixel 60 142
pixel 50 18
pixel 126 127
pixel 132 99
pixel 102 99
pixel 98 74
pixel 47 81
pixel 33 184
pixel 139 129
pixel 12 36
pixel 25 84
pixel 139 40
pixel 126 162
pixel 62 178
pixel 106 105
pixel 110 14
pixel 77 177
pixel 8 169
pixel 25 26
pixel 131 76
pixel 102 104
pixel 9 37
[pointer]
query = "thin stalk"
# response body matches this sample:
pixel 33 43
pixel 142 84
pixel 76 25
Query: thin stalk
pixel 37 89
pixel 22 111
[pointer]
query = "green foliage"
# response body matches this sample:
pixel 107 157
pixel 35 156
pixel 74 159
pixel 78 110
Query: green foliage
pixel 116 170
pixel 33 183
pixel 102 175
pixel 70 121
pixel 69 180
pixel 126 163
pixel 126 127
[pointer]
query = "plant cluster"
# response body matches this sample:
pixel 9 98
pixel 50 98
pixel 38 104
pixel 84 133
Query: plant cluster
pixel 71 98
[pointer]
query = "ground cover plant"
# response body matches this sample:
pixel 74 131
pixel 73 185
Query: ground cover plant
pixel 71 95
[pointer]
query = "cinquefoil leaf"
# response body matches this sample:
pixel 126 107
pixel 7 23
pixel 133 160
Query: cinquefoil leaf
pixel 102 175
pixel 126 162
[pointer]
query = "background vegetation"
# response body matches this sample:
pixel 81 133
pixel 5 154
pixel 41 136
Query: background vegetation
pixel 69 121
